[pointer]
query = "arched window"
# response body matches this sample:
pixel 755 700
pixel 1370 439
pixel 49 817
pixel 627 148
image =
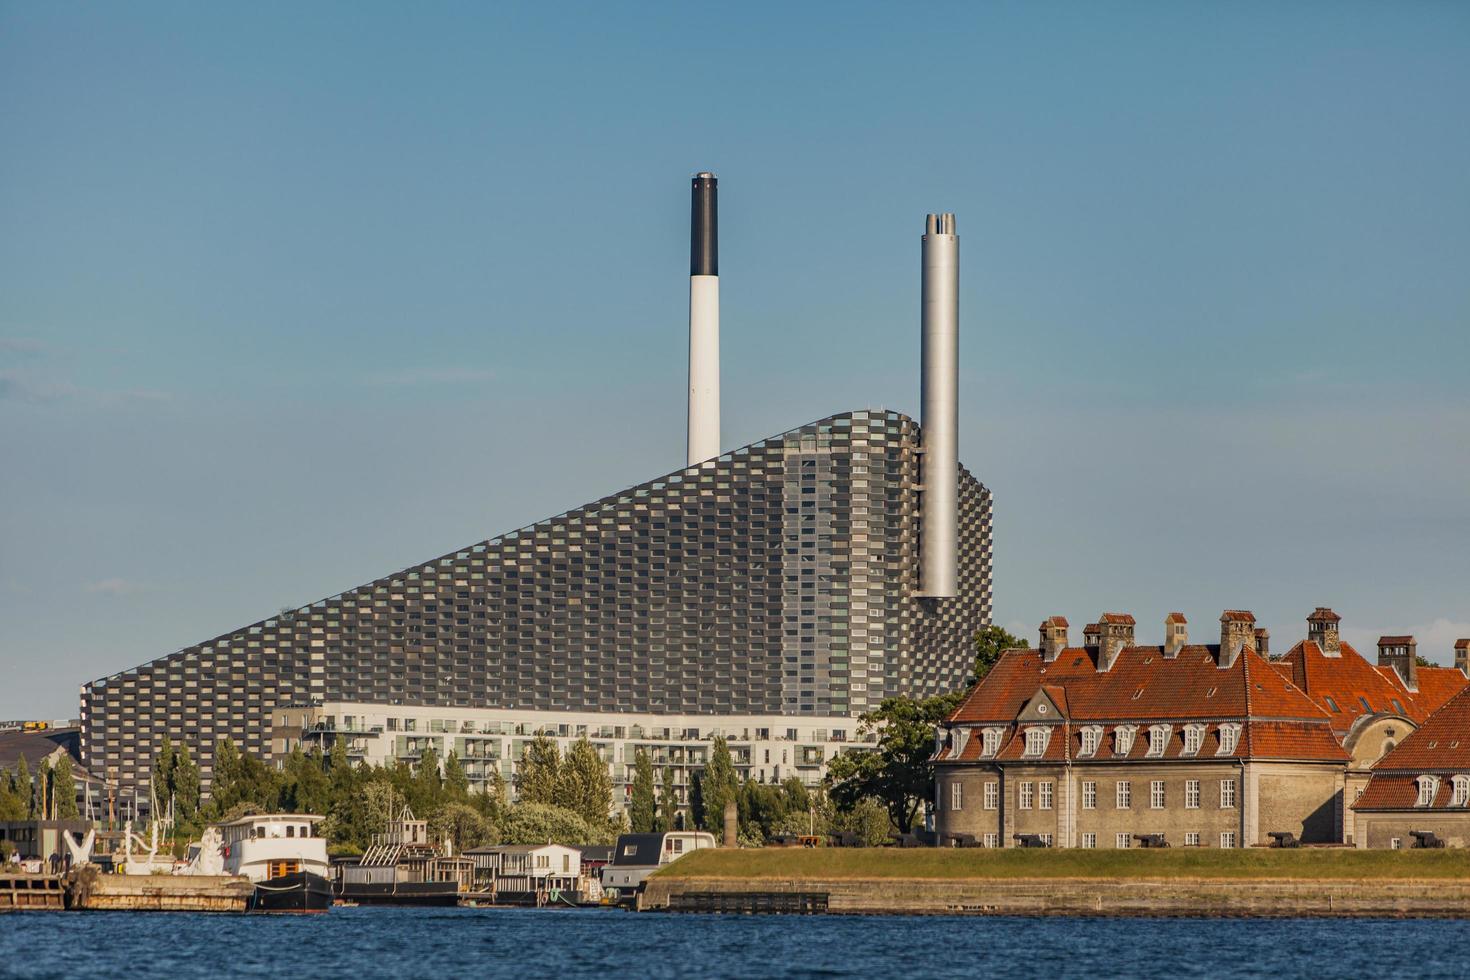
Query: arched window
pixel 1428 787
pixel 1462 791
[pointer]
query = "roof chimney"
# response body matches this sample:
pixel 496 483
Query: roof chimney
pixel 939 467
pixel 1322 630
pixel 704 320
pixel 1115 634
pixel 1237 633
pixel 1053 638
pixel 1402 654
pixel 1263 641
pixel 1462 656
pixel 1176 634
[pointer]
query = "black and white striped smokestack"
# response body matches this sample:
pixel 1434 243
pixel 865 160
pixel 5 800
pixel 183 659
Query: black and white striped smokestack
pixel 704 320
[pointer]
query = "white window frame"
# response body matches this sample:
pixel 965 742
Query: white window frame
pixel 956 795
pixel 1428 790
pixel 1123 841
pixel 991 840
pixel 990 742
pixel 1396 843
pixel 1089 842
pixel 992 795
pixel 1089 794
pixel 1157 794
pixel 1194 739
pixel 1229 739
pixel 1123 739
pixel 1158 740
pixel 1227 839
pixel 1091 740
pixel 1123 795
pixel 1461 795
pixel 1227 794
pixel 1046 839
pixel 1191 838
pixel 1037 737
pixel 1191 794
pixel 1025 794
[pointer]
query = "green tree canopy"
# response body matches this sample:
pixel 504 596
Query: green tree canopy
pixel 456 783
pixel 718 785
pixel 540 823
pixel 898 773
pixel 584 785
pixel 185 785
pixel 538 778
pixel 668 802
pixel 64 788
pixel 990 643
pixel 463 825
pixel 644 805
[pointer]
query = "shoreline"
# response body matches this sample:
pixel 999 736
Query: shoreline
pixel 1179 896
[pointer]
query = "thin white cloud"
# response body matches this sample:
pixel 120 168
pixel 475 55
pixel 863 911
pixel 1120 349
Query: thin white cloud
pixel 20 345
pixel 25 386
pixel 117 586
pixel 432 376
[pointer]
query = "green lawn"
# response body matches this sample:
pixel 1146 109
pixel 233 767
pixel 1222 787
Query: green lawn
pixel 797 863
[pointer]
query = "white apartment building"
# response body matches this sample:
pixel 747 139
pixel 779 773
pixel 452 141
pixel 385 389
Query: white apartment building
pixel 766 748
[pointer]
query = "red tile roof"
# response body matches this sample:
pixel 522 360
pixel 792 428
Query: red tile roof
pixel 1323 613
pixel 1237 616
pixel 1347 686
pixel 1118 619
pixel 1144 688
pixel 1056 621
pixel 1441 743
pixel 1175 617
pixel 1462 644
pixel 1395 640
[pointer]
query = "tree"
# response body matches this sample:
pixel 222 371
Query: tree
pixel 426 791
pixel 644 805
pixel 462 824
pixel 14 802
pixel 898 773
pixel 64 789
pixel 163 774
pixel 868 820
pixel 43 802
pixel 990 643
pixel 538 778
pixel 585 787
pixel 456 783
pixel 225 775
pixel 24 788
pixel 668 802
pixel 540 823
pixel 717 786
pixel 185 785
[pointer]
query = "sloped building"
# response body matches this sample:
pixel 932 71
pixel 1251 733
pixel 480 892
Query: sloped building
pixel 779 579
pixel 1419 793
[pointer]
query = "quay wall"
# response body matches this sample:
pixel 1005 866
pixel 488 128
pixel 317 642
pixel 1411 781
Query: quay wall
pixel 1180 896
pixel 157 893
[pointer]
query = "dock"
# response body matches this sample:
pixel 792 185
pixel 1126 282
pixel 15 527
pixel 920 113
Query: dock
pixel 25 891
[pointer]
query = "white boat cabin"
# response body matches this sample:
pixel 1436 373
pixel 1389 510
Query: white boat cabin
pixel 271 845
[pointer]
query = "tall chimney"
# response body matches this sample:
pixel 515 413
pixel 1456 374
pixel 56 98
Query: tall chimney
pixel 704 321
pixel 1462 656
pixel 1237 633
pixel 1053 638
pixel 1176 634
pixel 1402 654
pixel 1115 632
pixel 939 470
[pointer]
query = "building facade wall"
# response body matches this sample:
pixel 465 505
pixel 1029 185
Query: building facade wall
pixel 1379 829
pixel 1304 800
pixel 777 579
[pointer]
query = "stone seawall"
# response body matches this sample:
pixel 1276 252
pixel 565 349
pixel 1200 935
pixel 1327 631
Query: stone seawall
pixel 157 893
pixel 1246 897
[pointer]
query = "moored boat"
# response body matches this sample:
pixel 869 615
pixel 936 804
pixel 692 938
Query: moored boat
pixel 283 856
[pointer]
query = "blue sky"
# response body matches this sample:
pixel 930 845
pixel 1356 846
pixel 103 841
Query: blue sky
pixel 295 295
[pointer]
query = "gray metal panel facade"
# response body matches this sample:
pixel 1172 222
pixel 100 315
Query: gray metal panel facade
pixel 779 578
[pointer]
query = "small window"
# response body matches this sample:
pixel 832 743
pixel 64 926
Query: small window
pixel 992 795
pixel 1156 794
pixel 290 830
pixel 1227 794
pixel 1158 740
pixel 1124 792
pixel 1044 795
pixel 1194 738
pixel 1396 843
pixel 1091 736
pixel 1089 841
pixel 990 741
pixel 1229 739
pixel 629 850
pixel 1036 739
pixel 1089 795
pixel 956 796
pixel 1227 839
pixel 1364 702
pixel 1191 838
pixel 1123 841
pixel 1396 706
pixel 992 840
pixel 1462 791
pixel 1333 705
pixel 1428 787
pixel 1191 794
pixel 1026 795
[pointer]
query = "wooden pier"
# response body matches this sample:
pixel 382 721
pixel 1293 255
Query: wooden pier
pixel 23 891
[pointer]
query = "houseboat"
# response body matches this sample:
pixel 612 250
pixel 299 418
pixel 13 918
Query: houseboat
pixel 284 856
pixel 637 856
pixel 402 867
pixel 533 874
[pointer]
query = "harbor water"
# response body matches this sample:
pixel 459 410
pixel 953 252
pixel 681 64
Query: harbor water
pixel 368 943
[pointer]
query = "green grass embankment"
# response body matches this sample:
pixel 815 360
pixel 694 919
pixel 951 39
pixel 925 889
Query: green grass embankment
pixel 948 863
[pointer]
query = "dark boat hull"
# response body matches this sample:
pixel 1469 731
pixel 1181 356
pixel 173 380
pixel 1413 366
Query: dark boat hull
pixel 399 893
pixel 299 892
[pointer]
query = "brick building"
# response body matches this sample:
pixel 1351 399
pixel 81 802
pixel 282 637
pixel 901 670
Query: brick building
pixel 1422 785
pixel 1103 744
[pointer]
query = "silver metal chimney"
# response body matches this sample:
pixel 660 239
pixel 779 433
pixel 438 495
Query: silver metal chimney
pixel 704 321
pixel 939 469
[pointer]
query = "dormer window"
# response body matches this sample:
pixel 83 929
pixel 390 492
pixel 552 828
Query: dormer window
pixel 1091 739
pixel 1123 739
pixel 1158 740
pixel 1036 739
pixel 1229 739
pixel 1194 739
pixel 990 741
pixel 1462 791
pixel 1428 787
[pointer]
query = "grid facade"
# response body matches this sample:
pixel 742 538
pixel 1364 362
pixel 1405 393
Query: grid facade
pixel 778 579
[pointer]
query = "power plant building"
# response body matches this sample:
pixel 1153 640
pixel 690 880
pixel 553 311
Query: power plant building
pixel 782 579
